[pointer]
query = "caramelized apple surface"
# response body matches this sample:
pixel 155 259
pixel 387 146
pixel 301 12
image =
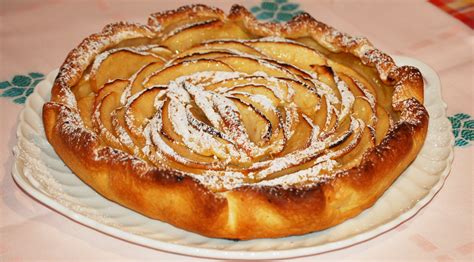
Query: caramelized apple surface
pixel 214 103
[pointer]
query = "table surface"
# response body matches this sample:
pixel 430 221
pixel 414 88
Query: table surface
pixel 35 37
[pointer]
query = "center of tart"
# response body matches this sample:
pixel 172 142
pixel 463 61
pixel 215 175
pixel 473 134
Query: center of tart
pixel 232 112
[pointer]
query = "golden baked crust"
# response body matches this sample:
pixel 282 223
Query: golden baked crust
pixel 128 176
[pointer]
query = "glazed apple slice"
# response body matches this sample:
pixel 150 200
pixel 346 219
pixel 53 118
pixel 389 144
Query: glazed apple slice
pixel 175 150
pixel 354 156
pixel 183 155
pixel 371 88
pixel 161 51
pixel 176 125
pixel 302 75
pixel 331 121
pixel 353 87
pixel 345 129
pixel 182 38
pixel 350 138
pixel 167 128
pixel 274 138
pixel 164 76
pixel 85 106
pixel 250 65
pixel 82 89
pixel 117 86
pixel 326 76
pixel 102 120
pixel 118 64
pixel 121 132
pixel 363 111
pixel 232 125
pixel 320 116
pixel 289 52
pixel 201 54
pixel 279 166
pixel 275 85
pixel 289 120
pixel 305 98
pixel 140 110
pixel 383 124
pixel 232 45
pixel 300 138
pixel 198 120
pixel 146 71
pixel 256 124
pixel 159 149
pixel 256 89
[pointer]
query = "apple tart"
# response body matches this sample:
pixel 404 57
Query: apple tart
pixel 234 128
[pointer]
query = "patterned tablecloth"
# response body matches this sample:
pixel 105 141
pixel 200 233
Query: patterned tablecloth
pixel 35 36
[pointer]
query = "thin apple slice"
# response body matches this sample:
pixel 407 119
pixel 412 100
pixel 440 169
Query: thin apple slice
pixel 118 64
pixel 172 72
pixel 320 116
pixel 139 111
pixel 193 159
pixel 354 156
pixel 326 76
pixel 142 74
pixel 277 86
pixel 232 45
pixel 383 124
pixel 353 87
pixel 375 91
pixel 82 89
pixel 231 154
pixel 86 106
pixel 302 75
pixel 102 120
pixel 289 52
pixel 185 37
pixel 278 166
pixel 232 125
pixel 250 65
pixel 290 120
pixel 256 89
pixel 121 132
pixel 176 124
pixel 345 130
pixel 175 151
pixel 208 54
pixel 117 86
pixel 331 122
pixel 257 126
pixel 161 51
pixel 363 111
pixel 351 138
pixel 167 128
pixel 199 120
pixel 300 138
pixel 274 137
pixel 306 99
pixel 181 154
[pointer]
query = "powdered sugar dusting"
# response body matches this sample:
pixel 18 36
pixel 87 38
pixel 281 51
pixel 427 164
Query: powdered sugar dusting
pixel 205 130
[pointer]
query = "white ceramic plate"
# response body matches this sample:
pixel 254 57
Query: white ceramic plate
pixel 40 172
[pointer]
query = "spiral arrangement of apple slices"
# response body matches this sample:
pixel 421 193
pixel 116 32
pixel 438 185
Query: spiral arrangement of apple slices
pixel 267 111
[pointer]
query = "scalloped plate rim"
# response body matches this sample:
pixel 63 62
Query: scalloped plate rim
pixel 267 254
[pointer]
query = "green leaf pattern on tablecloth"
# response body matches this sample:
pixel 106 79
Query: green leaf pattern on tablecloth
pixel 20 87
pixel 275 10
pixel 463 129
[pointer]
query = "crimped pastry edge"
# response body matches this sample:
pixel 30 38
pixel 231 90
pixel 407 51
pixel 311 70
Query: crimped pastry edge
pixel 249 211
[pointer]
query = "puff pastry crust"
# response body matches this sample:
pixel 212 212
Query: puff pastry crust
pixel 234 128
